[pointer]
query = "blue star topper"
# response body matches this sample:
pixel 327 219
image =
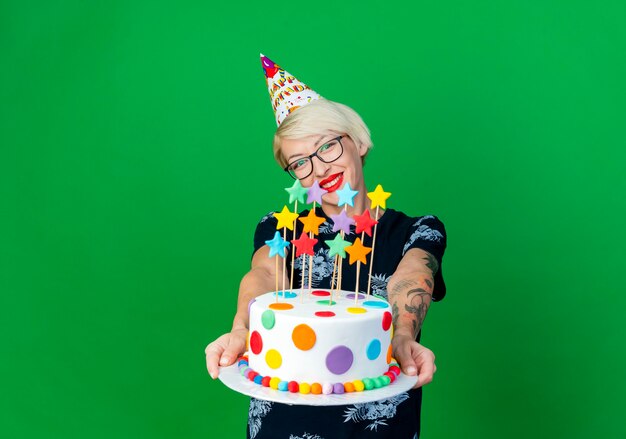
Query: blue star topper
pixel 277 245
pixel 346 195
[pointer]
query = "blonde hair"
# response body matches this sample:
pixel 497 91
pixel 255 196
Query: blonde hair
pixel 321 117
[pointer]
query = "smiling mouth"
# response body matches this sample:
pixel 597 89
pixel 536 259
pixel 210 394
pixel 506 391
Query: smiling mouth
pixel 332 183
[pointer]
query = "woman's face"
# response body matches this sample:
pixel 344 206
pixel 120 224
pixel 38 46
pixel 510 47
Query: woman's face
pixel 348 168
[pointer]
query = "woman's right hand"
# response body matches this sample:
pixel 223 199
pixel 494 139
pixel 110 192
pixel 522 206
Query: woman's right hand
pixel 225 350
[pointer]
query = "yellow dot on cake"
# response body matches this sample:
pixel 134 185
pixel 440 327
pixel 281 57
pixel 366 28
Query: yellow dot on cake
pixel 273 359
pixel 356 310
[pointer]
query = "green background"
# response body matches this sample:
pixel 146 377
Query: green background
pixel 135 161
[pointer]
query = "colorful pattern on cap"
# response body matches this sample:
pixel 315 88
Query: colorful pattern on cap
pixel 287 93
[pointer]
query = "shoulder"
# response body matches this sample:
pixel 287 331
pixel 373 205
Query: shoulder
pixel 401 220
pixel 426 231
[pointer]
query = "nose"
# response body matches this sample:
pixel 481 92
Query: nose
pixel 320 168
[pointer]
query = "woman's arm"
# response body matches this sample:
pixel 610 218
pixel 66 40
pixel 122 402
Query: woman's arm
pixel 259 280
pixel 410 292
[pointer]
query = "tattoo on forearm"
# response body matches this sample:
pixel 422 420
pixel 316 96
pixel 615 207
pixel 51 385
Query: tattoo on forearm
pixel 419 300
pixel 400 286
pixel 394 314
pixel 431 263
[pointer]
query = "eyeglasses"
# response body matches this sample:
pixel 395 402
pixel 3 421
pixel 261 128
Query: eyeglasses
pixel 327 153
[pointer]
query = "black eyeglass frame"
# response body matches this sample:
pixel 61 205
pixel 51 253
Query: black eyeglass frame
pixel 315 154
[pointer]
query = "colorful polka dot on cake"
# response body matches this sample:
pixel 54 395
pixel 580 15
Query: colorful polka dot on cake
pixel 386 321
pixel 273 359
pixel 281 306
pixel 268 319
pixel 256 343
pixel 375 304
pixel 320 293
pixel 286 294
pixel 339 360
pixel 303 337
pixel 373 349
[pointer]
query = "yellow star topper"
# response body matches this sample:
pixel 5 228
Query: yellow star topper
pixel 312 222
pixel 378 197
pixel 358 252
pixel 285 218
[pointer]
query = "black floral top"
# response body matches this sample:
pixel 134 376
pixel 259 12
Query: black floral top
pixel 397 417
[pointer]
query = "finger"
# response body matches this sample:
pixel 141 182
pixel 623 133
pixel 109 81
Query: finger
pixel 236 346
pixel 426 368
pixel 213 353
pixel 404 357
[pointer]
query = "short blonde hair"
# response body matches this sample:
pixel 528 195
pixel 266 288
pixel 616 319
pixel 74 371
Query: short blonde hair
pixel 321 117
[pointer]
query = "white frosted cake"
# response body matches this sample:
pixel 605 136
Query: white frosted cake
pixel 299 342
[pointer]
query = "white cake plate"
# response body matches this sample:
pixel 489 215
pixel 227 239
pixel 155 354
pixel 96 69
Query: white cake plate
pixel 232 378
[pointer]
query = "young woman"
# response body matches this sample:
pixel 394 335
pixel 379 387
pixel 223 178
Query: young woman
pixel 327 142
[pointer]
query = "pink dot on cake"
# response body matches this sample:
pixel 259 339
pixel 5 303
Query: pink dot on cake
pixel 320 293
pixel 256 342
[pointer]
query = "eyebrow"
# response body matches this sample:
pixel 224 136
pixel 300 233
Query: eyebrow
pixel 317 142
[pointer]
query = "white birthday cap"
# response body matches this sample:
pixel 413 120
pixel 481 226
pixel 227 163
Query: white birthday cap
pixel 287 93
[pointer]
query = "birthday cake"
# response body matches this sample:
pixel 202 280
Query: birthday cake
pixel 301 342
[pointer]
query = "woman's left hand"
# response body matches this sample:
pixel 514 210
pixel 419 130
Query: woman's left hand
pixel 414 358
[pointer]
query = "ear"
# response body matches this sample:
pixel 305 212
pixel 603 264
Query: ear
pixel 362 149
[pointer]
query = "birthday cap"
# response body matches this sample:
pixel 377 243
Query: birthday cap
pixel 286 91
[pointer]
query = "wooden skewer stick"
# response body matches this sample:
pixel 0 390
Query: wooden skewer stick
pixel 276 290
pixel 284 261
pixel 332 282
pixel 356 290
pixel 293 253
pixel 369 279
pixel 302 279
pixel 358 272
pixel 311 256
